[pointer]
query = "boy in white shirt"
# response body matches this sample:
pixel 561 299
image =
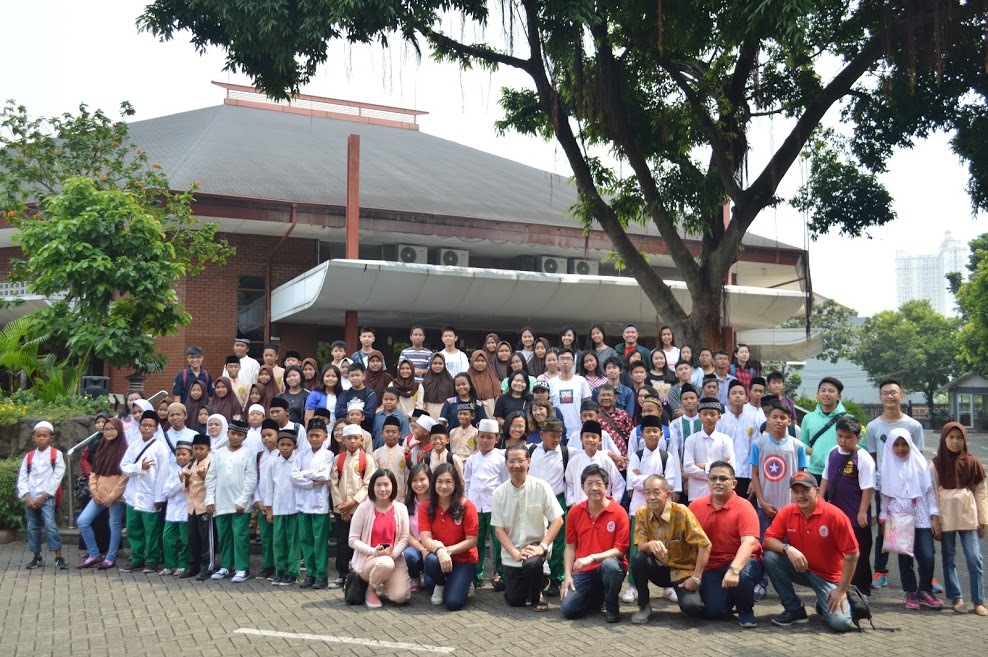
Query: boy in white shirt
pixel 686 424
pixel 146 467
pixel 391 456
pixel 281 504
pixel 38 481
pixel 456 360
pixel 269 443
pixel 705 447
pixel 484 471
pixel 590 437
pixel 313 505
pixel 230 486
pixel 175 537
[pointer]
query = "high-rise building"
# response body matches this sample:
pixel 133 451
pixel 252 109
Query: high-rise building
pixel 925 276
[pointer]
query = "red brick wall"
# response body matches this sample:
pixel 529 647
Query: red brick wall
pixel 211 298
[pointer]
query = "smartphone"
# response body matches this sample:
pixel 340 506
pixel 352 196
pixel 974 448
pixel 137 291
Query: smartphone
pixel 385 545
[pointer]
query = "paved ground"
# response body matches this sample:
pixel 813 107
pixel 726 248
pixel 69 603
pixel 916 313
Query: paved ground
pixel 117 614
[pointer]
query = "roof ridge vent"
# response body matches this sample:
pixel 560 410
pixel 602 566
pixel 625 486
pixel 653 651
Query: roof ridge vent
pixel 319 106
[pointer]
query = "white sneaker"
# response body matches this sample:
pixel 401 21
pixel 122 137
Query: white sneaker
pixel 240 577
pixel 671 594
pixel 437 595
pixel 630 595
pixel 471 590
pixel 222 573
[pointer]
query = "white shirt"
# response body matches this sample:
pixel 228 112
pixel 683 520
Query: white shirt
pixel 678 435
pixel 249 369
pixel 482 474
pixel 759 413
pixel 567 396
pixel 145 487
pixel 171 438
pixel 315 467
pixel 742 430
pixel 264 475
pixel 177 509
pixel 231 480
pixel 524 513
pixel 43 477
pixel 456 362
pixel 285 484
pixel 607 443
pixel 578 461
pixel 548 466
pixel 650 464
pixel 705 448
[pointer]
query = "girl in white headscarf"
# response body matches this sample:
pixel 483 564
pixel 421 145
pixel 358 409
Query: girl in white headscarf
pixel 907 489
pixel 133 432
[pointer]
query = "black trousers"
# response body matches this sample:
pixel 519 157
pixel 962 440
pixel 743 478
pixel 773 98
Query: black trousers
pixel 525 583
pixel 341 529
pixel 862 572
pixel 202 545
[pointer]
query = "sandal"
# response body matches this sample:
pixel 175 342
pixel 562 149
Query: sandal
pixel 959 606
pixel 541 605
pixel 980 610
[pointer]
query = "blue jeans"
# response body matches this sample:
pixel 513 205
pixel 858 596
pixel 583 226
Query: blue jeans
pixel 975 566
pixel 925 552
pixel 602 583
pixel 783 576
pixel 43 516
pixel 718 601
pixel 457 582
pixel 413 559
pixel 86 518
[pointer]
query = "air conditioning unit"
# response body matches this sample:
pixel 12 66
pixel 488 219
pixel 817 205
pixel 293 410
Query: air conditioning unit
pixel 549 265
pixel 453 258
pixel 414 254
pixel 583 267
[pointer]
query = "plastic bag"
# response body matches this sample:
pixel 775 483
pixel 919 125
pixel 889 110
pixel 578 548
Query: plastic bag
pixel 900 533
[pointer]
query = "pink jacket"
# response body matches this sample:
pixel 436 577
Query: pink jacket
pixel 361 526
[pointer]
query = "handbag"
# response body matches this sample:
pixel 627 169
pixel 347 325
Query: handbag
pixel 354 588
pixel 899 533
pixel 82 494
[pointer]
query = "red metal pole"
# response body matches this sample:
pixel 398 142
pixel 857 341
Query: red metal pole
pixel 352 226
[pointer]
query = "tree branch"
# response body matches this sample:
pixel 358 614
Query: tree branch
pixel 477 52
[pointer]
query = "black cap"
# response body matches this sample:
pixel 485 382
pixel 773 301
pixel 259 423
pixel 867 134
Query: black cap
pixel 438 428
pixel 733 384
pixel 541 385
pixel 232 360
pixel 269 424
pixel 323 412
pixel 183 444
pixel 316 423
pixel 651 421
pixel 688 387
pixel 591 426
pixel 768 399
pixel 202 439
pixel 709 404
pixel 278 402
pixel 238 425
pixel 392 421
pixel 589 405
pixel 803 478
pixel 150 415
pixel 291 353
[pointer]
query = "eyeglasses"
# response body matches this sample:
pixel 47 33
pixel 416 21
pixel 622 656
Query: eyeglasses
pixel 516 462
pixel 890 393
pixel 718 479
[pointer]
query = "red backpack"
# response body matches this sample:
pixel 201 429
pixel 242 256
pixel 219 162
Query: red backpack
pixel 54 458
pixel 340 458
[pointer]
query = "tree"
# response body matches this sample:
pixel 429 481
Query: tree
pixel 667 93
pixel 915 345
pixel 972 299
pixel 834 320
pixel 98 223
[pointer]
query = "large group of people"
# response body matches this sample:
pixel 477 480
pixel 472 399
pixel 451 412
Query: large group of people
pixel 585 472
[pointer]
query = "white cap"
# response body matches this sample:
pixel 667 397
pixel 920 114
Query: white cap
pixel 352 430
pixel 425 422
pixel 488 426
pixel 44 425
pixel 355 403
pixel 256 407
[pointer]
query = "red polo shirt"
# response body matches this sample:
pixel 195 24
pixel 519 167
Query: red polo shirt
pixel 450 532
pixel 725 527
pixel 609 530
pixel 824 538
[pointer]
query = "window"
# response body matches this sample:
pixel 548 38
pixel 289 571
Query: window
pixel 251 311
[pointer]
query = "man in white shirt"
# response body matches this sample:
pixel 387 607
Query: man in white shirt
pixel 146 467
pixel 525 535
pixel 567 392
pixel 549 461
pixel 703 448
pixel 456 360
pixel 248 366
pixel 740 424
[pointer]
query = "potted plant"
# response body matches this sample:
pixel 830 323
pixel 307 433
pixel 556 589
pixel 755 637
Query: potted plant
pixel 11 506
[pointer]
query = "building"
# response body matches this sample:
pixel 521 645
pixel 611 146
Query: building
pixel 446 233
pixel 924 276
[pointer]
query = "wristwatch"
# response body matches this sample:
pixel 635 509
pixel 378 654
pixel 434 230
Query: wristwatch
pixel 545 548
pixel 696 580
pixel 735 570
pixel 785 546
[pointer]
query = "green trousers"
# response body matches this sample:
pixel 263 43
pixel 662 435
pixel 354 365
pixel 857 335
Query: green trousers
pixel 265 530
pixel 558 546
pixel 485 530
pixel 632 550
pixel 144 535
pixel 175 543
pixel 314 539
pixel 233 532
pixel 285 544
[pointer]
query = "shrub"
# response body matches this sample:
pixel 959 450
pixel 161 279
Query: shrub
pixel 11 506
pixel 23 402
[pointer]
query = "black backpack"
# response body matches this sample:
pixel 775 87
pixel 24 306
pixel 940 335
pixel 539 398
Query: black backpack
pixel 662 453
pixel 563 450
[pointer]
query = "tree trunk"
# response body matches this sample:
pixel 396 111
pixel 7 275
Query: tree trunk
pixel 706 318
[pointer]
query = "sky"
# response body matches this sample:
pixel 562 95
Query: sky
pixel 93 53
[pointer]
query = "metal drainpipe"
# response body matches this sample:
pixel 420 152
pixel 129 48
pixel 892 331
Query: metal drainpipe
pixel 267 275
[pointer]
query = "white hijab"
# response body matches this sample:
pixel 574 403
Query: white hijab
pixel 133 432
pixel 222 439
pixel 907 478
